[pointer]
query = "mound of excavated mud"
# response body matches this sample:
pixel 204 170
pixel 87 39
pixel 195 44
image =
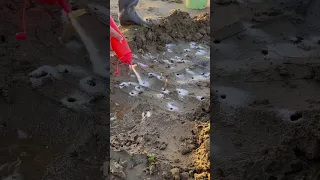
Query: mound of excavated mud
pixel 202 153
pixel 177 26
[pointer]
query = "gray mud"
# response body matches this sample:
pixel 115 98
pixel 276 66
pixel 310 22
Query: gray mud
pixel 155 118
pixel 52 104
pixel 267 56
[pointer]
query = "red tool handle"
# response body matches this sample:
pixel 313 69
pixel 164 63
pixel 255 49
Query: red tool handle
pixel 121 48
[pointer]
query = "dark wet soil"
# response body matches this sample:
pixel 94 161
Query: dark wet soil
pixel 39 137
pixel 265 114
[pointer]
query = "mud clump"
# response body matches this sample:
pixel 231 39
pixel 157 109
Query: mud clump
pixel 177 26
pixel 201 113
pixel 201 155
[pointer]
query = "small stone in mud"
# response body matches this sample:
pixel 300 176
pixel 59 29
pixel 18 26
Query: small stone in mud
pixel 175 172
pixel 223 96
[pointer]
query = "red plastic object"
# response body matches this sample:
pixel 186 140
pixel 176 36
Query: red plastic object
pixel 23 35
pixel 48 1
pixel 121 48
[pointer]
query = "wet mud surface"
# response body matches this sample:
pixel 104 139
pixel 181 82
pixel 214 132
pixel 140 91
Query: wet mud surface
pixel 266 90
pixel 159 117
pixel 53 111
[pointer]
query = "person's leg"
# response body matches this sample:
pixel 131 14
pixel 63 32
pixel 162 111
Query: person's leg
pixel 128 14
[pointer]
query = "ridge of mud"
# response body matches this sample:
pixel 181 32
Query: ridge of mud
pixel 177 26
pixel 202 153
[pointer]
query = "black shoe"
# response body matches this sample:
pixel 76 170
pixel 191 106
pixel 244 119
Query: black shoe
pixel 128 14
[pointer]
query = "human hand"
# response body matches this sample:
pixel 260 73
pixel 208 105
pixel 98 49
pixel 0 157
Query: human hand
pixel 115 34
